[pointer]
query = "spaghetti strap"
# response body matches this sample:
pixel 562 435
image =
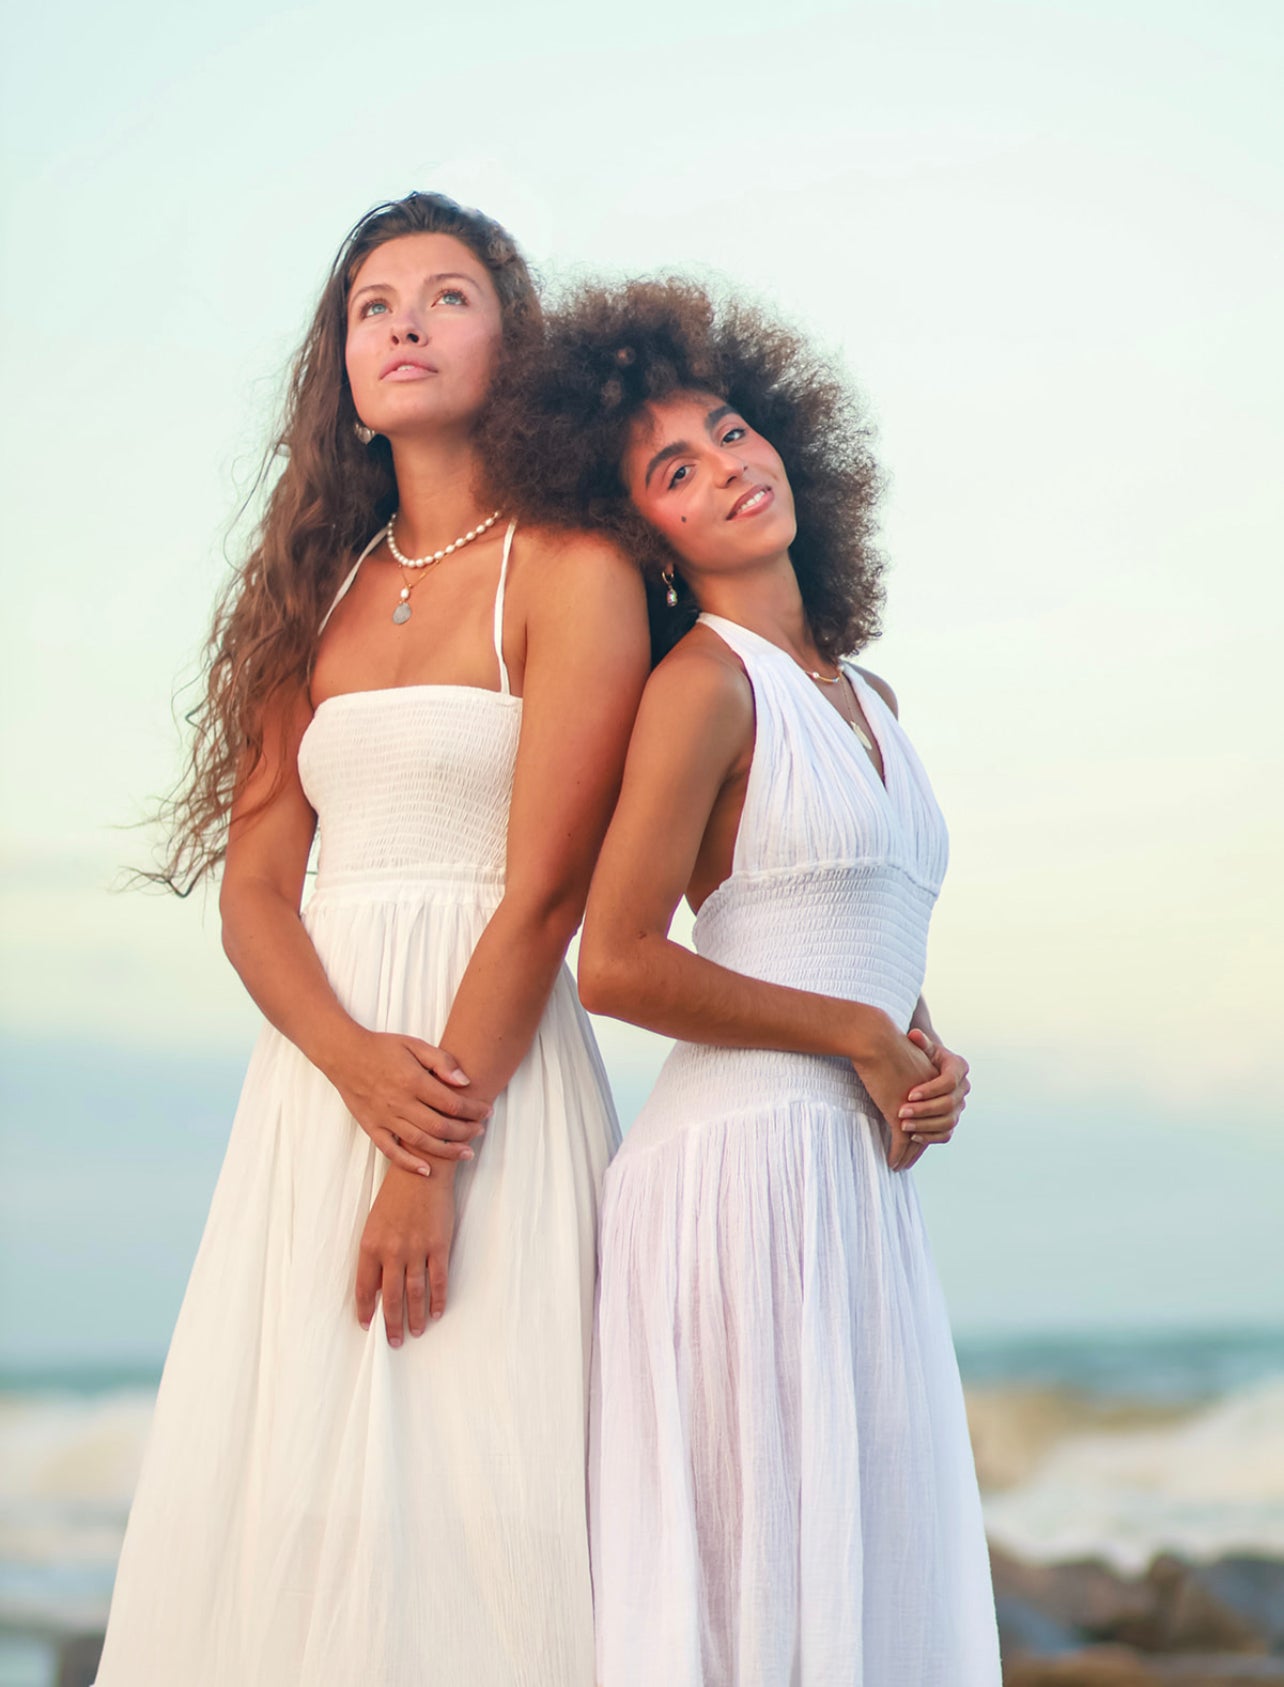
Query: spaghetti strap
pixel 346 587
pixel 499 610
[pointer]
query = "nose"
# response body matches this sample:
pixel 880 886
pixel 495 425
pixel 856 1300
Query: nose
pixel 729 467
pixel 407 330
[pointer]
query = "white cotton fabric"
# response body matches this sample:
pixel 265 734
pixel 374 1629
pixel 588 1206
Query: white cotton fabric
pixel 783 1488
pixel 317 1509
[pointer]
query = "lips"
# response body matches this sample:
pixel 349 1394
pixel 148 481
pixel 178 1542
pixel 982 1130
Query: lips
pixel 404 368
pixel 753 502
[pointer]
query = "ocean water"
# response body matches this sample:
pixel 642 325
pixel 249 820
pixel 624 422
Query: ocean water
pixel 1117 1414
pixel 1108 1445
pixel 1118 1447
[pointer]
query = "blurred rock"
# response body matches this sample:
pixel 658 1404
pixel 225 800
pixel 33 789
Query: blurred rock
pixel 1024 1629
pixel 1095 1666
pixel 1252 1587
pixel 78 1660
pixel 1085 1600
pixel 1120 1666
pixel 1223 1670
pixel 1234 1605
pixel 1188 1616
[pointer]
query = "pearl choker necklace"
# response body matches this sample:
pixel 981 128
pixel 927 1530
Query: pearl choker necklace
pixel 445 551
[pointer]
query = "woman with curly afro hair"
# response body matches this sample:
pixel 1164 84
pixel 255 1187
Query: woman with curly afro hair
pixel 782 1484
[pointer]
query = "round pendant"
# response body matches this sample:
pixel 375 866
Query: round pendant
pixel 401 614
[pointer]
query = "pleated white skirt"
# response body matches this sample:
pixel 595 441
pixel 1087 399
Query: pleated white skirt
pixel 783 1488
pixel 317 1509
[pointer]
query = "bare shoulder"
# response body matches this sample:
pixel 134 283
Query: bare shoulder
pixel 580 604
pixel 701 686
pixel 569 558
pixel 882 688
pixel 695 726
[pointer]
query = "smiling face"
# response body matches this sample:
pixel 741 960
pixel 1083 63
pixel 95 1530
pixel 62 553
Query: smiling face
pixel 709 484
pixel 424 331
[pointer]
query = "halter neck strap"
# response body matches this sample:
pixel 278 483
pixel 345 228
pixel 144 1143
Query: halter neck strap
pixel 346 587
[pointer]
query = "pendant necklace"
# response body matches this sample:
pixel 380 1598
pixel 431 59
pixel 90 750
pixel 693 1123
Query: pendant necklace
pixel 847 692
pixel 401 614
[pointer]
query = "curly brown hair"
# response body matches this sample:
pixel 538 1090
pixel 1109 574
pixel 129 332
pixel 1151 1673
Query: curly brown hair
pixel 560 424
pixel 331 493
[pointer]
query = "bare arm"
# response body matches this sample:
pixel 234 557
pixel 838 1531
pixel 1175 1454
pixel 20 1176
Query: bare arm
pixel 267 858
pixel 587 659
pixel 386 1081
pixel 585 669
pixel 693 729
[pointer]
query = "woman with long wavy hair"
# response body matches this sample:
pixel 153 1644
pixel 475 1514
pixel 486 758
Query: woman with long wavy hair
pixel 424 1126
pixel 783 1489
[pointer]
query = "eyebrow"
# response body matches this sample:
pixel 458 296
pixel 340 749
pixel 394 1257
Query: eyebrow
pixel 680 447
pixel 444 275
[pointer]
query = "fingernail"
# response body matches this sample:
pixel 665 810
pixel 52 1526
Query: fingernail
pixel 459 1075
pixel 364 1324
pixel 467 1154
pixel 435 1316
pixel 905 1113
pixel 424 1171
pixel 394 1341
pixel 918 1139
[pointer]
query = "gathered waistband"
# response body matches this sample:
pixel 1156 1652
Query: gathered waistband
pixel 699 1080
pixel 435 882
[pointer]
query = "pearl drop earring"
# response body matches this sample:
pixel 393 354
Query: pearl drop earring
pixel 671 590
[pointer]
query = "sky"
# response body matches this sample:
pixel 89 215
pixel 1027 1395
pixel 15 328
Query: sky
pixel 1046 241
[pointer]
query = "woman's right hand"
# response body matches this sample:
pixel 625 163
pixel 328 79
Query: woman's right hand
pixel 407 1097
pixel 892 1069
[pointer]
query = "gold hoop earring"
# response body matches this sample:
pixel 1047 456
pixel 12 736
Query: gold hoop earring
pixel 671 590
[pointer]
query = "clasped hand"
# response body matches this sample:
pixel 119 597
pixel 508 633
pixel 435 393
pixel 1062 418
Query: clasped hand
pixel 921 1089
pixel 408 1098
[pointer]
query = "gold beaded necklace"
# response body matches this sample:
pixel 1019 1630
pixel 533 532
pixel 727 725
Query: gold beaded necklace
pixel 846 696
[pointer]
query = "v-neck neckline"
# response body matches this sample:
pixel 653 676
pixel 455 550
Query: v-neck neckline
pixel 862 690
pixel 859 687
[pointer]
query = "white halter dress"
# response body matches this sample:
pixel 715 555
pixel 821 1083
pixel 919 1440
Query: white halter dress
pixel 317 1509
pixel 783 1488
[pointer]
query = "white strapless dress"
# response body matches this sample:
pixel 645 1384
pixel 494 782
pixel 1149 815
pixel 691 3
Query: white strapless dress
pixel 783 1487
pixel 317 1509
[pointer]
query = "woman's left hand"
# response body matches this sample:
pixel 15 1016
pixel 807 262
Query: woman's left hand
pixel 932 1110
pixel 404 1259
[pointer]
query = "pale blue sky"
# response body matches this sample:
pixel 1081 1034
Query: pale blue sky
pixel 1047 240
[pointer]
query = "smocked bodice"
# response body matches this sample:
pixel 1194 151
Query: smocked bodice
pixel 412 782
pixel 834 875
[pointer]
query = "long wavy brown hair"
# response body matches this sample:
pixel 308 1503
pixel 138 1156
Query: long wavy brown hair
pixel 330 494
pixel 560 426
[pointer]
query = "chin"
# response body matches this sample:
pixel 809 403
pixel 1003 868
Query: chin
pixel 431 419
pixel 764 539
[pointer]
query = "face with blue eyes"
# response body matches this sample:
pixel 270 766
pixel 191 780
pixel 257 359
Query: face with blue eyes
pixel 424 330
pixel 709 484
